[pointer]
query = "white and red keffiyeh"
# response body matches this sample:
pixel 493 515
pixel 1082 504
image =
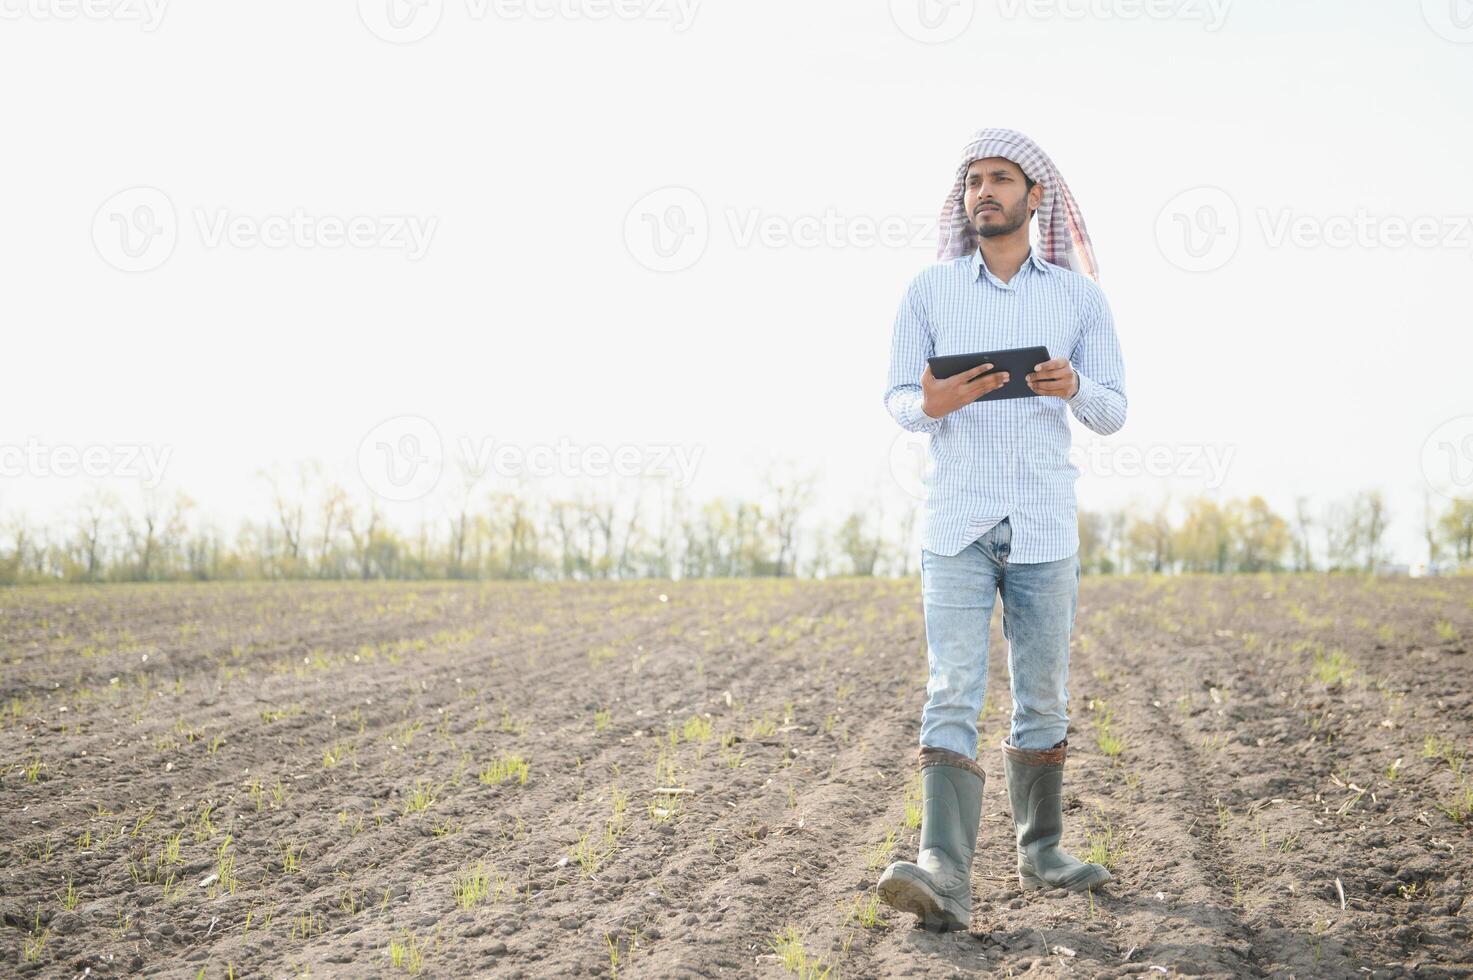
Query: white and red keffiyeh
pixel 1062 238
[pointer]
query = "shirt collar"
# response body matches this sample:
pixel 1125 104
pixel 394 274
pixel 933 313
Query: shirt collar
pixel 979 267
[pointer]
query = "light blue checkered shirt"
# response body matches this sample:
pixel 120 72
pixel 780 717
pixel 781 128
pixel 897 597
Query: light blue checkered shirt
pixel 1007 458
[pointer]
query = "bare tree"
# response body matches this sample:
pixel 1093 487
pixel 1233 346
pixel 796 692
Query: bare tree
pixel 1456 527
pixel 1093 543
pixel 1429 529
pixel 1205 540
pixel 910 512
pixel 1371 518
pixel 98 507
pixel 566 525
pixel 513 512
pixel 601 519
pixel 1262 536
pixel 1150 539
pixel 334 510
pixel 1339 531
pixel 791 491
pixel 859 541
pixel 13 565
pixel 1303 522
pixel 670 504
pixel 363 532
pixel 461 521
pixel 290 504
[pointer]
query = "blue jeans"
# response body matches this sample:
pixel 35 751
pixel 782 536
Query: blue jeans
pixel 1038 603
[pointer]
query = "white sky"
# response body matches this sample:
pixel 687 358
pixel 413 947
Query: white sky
pixel 522 143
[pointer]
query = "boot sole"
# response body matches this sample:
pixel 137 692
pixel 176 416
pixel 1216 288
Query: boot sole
pixel 1034 883
pixel 904 893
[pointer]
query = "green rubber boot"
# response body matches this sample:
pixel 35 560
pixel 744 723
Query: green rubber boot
pixel 937 886
pixel 1035 789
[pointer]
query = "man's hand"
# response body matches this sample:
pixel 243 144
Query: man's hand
pixel 1055 377
pixel 942 396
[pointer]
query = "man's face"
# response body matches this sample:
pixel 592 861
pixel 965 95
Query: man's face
pixel 997 197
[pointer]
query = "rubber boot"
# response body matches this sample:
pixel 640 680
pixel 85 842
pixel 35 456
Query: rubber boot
pixel 937 886
pixel 1035 789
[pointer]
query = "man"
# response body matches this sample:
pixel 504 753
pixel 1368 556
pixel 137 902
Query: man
pixel 1000 513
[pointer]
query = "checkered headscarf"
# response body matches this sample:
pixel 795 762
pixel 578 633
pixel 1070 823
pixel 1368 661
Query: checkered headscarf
pixel 1063 239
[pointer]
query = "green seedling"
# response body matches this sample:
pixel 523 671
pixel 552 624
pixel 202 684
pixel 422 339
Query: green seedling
pixel 1459 807
pixel 1332 668
pixel 420 798
pixel 291 857
pixel 879 855
pixel 1105 846
pixel 590 855
pixel 408 953
pixel 471 887
pixel 508 767
pixel 306 925
pixel 697 729
pixel 788 945
pixel 1441 748
pixel 204 826
pixel 34 944
pixel 1108 742
pixel 867 912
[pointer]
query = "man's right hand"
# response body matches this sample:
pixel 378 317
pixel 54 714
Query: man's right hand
pixel 942 396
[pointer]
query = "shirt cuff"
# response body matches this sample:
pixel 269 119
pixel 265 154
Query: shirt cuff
pixel 1084 394
pixel 923 422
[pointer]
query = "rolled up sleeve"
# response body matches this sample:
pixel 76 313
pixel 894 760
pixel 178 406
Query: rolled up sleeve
pixel 1100 401
pixel 910 344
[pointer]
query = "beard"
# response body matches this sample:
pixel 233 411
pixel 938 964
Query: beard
pixel 1004 222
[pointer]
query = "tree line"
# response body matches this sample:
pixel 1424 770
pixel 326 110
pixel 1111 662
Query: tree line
pixel 316 530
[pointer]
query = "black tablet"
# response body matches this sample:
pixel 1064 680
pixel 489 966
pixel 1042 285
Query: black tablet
pixel 1018 362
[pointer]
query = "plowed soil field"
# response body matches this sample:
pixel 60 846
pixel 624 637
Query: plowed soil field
pixel 706 778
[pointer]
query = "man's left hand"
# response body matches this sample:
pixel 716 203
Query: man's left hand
pixel 1055 377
